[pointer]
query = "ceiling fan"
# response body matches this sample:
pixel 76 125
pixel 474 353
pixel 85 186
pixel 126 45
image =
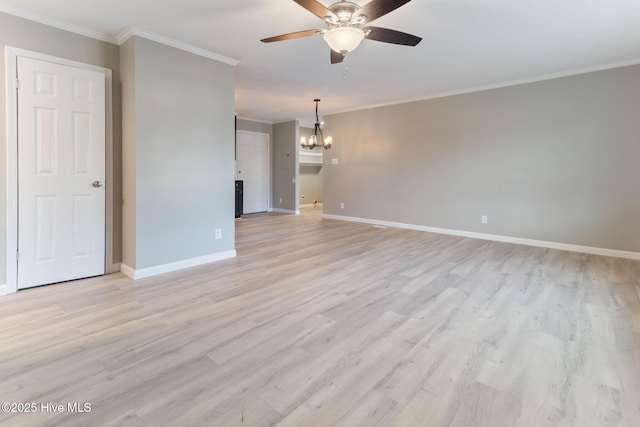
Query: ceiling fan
pixel 348 25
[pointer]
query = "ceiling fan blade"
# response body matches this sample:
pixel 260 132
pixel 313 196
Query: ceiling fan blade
pixel 290 36
pixel 391 36
pixel 336 57
pixel 316 8
pixel 377 8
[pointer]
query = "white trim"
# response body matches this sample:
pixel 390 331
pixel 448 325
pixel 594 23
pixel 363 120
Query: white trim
pixel 515 82
pixel 252 132
pixel 109 170
pixel 174 266
pixel 127 271
pixel 293 119
pixel 494 237
pixel 285 211
pixel 42 19
pixel 115 267
pixel 11 225
pixel 249 119
pixel 124 35
pixel 305 152
pixel 6 289
pixel 127 33
pixel 311 205
pixel 11 58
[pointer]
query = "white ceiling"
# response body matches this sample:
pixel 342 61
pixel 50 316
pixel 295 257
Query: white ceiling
pixel 467 44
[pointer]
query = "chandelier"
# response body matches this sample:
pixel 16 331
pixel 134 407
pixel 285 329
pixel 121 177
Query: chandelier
pixel 317 139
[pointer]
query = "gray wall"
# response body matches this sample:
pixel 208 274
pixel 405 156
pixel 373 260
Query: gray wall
pixel 24 34
pixel 184 155
pixel 556 161
pixel 285 165
pixel 310 184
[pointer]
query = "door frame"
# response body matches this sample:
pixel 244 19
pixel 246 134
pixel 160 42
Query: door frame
pixel 11 62
pixel 269 161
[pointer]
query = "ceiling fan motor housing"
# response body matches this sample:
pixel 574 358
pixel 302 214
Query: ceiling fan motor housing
pixel 345 13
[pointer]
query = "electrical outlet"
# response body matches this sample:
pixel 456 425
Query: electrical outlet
pixel 334 161
pixel 218 233
pixel 280 199
pixel 484 219
pixel 341 205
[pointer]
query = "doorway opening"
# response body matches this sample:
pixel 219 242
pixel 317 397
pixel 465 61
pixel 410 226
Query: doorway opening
pixel 310 168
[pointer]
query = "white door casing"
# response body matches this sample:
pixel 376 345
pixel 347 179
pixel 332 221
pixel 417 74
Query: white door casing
pixel 61 172
pixel 253 169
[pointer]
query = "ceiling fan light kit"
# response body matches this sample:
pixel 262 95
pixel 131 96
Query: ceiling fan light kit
pixel 345 21
pixel 344 39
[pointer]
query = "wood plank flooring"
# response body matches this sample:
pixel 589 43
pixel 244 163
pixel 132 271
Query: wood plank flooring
pixel 328 323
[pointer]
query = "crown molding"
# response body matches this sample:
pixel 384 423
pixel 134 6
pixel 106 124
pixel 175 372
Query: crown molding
pixel 286 121
pixel 254 120
pixel 42 19
pixel 129 32
pixel 122 37
pixel 515 82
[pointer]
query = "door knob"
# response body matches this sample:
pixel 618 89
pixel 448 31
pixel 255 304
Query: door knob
pixel 97 184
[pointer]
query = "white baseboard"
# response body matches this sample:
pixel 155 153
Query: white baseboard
pixel 114 268
pixel 173 266
pixel 310 205
pixel 128 271
pixel 4 290
pixel 494 237
pixel 286 211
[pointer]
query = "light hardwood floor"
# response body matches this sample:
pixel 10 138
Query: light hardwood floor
pixel 321 322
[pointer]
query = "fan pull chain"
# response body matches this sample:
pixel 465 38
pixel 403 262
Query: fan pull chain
pixel 345 72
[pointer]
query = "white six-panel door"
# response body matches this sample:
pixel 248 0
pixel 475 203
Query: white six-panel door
pixel 61 173
pixel 253 169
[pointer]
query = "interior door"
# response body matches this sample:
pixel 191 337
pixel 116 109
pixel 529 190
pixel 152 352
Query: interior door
pixel 253 169
pixel 61 173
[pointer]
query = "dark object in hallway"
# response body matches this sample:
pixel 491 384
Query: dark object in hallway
pixel 239 198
